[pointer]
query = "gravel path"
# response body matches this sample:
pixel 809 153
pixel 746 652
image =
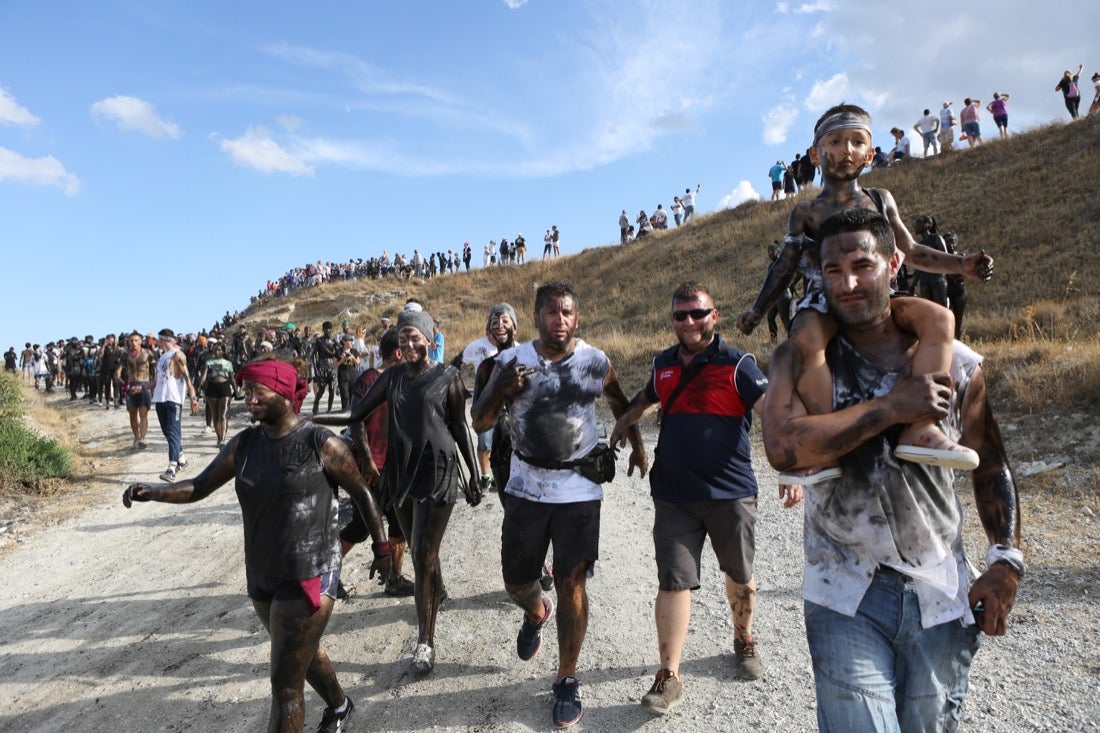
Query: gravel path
pixel 137 620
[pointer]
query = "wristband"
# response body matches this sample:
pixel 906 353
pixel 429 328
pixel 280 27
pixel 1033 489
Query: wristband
pixel 382 549
pixel 1008 555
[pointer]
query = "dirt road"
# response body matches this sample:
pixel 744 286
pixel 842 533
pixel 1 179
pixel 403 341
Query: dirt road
pixel 136 620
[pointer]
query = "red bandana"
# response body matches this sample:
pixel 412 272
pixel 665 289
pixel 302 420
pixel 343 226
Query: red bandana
pixel 281 377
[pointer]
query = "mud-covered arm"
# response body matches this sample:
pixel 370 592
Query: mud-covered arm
pixel 339 465
pixel 460 431
pixel 361 408
pixel 994 592
pixel 780 275
pixel 794 439
pixel 616 399
pixel 978 265
pixel 188 491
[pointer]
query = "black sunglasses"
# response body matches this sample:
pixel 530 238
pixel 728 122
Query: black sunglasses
pixel 697 314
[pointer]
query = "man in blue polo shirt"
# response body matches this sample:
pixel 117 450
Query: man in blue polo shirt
pixel 702 481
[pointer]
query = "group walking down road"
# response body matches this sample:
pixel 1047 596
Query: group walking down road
pixel 115 616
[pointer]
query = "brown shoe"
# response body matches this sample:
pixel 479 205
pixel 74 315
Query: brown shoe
pixel 665 694
pixel 746 659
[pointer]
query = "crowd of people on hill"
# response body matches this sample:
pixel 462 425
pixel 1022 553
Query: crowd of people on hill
pixel 682 208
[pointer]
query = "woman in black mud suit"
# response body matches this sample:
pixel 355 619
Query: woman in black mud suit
pixel 286 472
pixel 428 437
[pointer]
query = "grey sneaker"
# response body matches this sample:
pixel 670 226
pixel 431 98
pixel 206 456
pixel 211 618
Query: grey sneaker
pixel 169 475
pixel 746 659
pixel 665 694
pixel 183 464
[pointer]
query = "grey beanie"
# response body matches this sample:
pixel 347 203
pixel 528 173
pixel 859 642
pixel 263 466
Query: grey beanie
pixel 419 320
pixel 499 309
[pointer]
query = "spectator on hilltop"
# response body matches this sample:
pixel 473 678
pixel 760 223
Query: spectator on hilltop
pixel 642 221
pixel 775 173
pixel 555 240
pixel 947 127
pixel 547 245
pixel 901 145
pixel 659 218
pixel 1067 85
pixel 1000 112
pixel 688 200
pixel 927 127
pixel 970 118
pixel 624 226
pixel 789 186
pixel 677 209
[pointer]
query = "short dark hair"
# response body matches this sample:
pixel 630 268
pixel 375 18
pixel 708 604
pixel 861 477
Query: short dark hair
pixel 688 290
pixel 861 220
pixel 553 290
pixel 387 343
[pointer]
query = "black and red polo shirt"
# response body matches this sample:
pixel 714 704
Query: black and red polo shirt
pixel 705 452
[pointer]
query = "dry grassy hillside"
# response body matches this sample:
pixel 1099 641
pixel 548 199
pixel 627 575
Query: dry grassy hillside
pixel 1029 201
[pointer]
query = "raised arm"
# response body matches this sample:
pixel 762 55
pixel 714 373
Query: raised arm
pixel 978 265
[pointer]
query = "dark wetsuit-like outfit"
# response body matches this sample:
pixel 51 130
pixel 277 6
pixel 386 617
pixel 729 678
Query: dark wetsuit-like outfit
pixel 422 459
pixel 288 506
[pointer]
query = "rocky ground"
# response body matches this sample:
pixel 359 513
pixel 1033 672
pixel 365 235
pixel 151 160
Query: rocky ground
pixel 118 619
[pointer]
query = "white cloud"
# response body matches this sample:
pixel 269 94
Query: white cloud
pixel 740 194
pixel 825 94
pixel 515 4
pixel 131 113
pixel 256 149
pixel 777 123
pixel 46 171
pixel 12 113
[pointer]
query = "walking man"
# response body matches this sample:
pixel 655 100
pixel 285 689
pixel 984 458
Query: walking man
pixel 702 481
pixel 550 386
pixel 885 586
pixel 139 392
pixel 171 381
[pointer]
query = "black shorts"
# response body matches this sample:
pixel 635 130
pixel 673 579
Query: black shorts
pixel 777 185
pixel 219 389
pixel 530 527
pixel 137 400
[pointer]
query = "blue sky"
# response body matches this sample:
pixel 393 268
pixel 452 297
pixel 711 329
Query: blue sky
pixel 160 161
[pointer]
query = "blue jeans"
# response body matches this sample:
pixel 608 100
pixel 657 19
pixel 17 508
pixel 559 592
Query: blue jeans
pixel 880 671
pixel 169 415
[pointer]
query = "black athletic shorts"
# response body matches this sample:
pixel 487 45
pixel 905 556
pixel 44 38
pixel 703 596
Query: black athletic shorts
pixel 530 527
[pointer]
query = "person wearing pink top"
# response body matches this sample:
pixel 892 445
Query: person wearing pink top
pixel 999 111
pixel 969 118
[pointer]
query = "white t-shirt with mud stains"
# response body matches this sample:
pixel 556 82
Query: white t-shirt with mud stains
pixel 885 511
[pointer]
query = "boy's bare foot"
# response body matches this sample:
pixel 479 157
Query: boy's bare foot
pixel 925 443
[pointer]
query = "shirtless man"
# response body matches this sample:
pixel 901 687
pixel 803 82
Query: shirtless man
pixel 139 397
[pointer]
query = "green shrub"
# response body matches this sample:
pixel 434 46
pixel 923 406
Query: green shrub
pixel 11 396
pixel 25 456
